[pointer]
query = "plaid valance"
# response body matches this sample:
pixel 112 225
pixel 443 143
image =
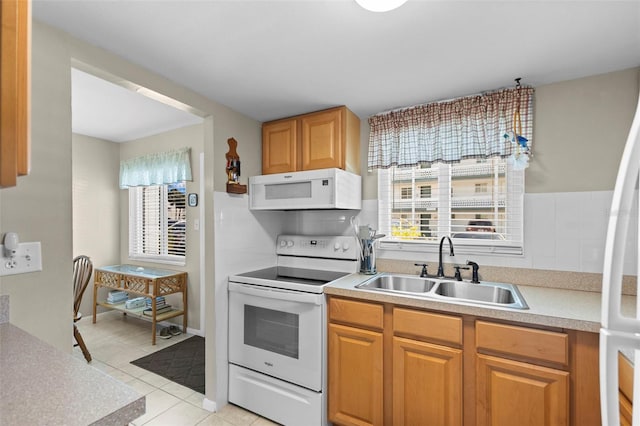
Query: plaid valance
pixel 450 131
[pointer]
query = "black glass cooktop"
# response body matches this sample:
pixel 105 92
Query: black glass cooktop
pixel 295 275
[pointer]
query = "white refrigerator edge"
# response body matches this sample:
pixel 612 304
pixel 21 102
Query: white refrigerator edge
pixel 619 331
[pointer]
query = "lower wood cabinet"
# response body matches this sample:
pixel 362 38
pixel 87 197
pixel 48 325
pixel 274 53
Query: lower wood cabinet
pixel 508 390
pixel 625 378
pixel 355 376
pixel 514 378
pixel 393 365
pixel 427 383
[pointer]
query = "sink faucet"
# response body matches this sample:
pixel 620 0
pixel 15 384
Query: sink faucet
pixel 440 268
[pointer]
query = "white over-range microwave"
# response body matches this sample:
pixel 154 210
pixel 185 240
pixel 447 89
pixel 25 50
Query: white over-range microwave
pixel 306 190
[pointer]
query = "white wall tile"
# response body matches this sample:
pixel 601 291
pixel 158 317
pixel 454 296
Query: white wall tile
pixel 569 208
pixel 568 254
pixel 244 241
pixel 539 226
pixel 562 231
pixel 592 255
pixel 595 215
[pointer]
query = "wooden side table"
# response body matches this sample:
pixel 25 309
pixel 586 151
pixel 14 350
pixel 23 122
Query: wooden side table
pixel 146 282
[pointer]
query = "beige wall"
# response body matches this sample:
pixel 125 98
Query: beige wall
pixel 580 128
pixel 220 123
pixel 96 204
pixel 39 208
pixel 192 137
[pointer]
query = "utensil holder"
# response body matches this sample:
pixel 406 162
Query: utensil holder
pixel 368 260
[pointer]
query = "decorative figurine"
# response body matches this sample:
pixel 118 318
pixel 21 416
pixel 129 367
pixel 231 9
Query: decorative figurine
pixel 233 169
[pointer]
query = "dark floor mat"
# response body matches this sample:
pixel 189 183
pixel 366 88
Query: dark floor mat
pixel 182 363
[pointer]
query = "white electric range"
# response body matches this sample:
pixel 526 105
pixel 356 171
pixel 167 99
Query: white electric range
pixel 277 329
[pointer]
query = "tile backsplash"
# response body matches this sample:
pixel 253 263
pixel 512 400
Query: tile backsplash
pixel 563 232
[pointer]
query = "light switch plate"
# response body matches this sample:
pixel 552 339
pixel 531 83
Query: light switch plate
pixel 27 259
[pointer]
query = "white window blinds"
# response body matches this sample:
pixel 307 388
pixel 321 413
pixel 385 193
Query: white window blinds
pixel 477 202
pixel 157 225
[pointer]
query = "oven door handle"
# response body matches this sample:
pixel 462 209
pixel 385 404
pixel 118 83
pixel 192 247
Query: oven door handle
pixel 276 293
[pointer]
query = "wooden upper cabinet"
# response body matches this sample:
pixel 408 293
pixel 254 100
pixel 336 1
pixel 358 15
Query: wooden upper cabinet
pixel 279 146
pixel 321 141
pixel 15 20
pixel 318 140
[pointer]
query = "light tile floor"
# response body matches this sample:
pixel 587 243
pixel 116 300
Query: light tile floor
pixel 116 340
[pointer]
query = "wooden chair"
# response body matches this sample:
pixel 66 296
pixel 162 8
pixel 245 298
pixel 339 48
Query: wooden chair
pixel 82 269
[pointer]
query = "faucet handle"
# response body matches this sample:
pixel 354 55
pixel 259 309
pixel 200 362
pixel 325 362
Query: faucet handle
pixel 423 273
pixel 457 275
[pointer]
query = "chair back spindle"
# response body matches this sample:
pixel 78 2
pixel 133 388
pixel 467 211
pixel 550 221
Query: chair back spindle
pixel 82 270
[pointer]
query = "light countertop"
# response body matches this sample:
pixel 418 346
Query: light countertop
pixel 568 309
pixel 40 384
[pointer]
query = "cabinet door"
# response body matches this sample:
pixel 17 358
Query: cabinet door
pixel 427 384
pixel 279 148
pixel 322 145
pixel 511 392
pixel 355 376
pixel 625 378
pixel 15 33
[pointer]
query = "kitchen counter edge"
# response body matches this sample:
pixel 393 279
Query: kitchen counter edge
pixel 40 382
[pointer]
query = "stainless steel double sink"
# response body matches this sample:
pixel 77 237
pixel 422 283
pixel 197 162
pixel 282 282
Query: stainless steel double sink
pixel 485 293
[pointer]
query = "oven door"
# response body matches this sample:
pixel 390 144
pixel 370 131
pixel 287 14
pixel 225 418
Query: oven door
pixel 277 332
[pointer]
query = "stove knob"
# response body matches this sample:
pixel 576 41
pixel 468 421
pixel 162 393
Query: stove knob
pixel 283 243
pixel 336 246
pixel 345 246
pixel 289 243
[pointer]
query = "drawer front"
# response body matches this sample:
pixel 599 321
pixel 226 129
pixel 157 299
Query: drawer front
pixel 523 342
pixel 427 326
pixel 356 313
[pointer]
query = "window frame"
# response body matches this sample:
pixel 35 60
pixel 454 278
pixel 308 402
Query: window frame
pixel 135 209
pixel 512 246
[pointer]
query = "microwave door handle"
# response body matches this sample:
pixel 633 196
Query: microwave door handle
pixel 275 293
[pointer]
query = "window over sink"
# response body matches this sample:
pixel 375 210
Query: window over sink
pixel 476 202
pixel 454 168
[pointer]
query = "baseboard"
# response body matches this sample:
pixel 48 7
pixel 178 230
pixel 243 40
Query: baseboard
pixel 209 405
pixel 195 332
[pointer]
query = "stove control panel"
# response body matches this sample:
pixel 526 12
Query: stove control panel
pixel 332 247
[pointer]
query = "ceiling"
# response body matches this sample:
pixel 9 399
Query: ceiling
pixel 271 59
pixel 109 111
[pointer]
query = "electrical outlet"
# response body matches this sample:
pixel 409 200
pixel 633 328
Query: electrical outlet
pixel 27 259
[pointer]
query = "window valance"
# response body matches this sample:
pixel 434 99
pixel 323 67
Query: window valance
pixel 156 169
pixel 498 123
